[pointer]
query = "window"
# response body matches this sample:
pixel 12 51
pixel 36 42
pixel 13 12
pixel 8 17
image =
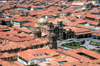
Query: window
pixel 74 65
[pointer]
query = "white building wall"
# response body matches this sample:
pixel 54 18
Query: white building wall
pixel 63 14
pixel 24 27
pixel 32 9
pixel 46 17
pixel 16 24
pixel 7 16
pixel 21 61
pixel 39 54
pixel 38 60
pixel 12 22
pixel 47 59
pixel 33 61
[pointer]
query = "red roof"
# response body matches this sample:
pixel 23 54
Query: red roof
pixel 6 19
pixel 23 6
pixel 21 29
pixel 88 2
pixel 19 18
pixel 29 54
pixel 28 24
pixel 74 53
pixel 93 23
pixel 91 16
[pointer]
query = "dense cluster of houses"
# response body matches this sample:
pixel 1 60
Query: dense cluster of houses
pixel 29 30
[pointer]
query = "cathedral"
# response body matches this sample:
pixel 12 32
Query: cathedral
pixel 46 29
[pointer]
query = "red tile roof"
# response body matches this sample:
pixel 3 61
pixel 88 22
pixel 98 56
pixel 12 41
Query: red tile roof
pixel 93 23
pixel 4 55
pixel 88 2
pixel 29 54
pixel 91 16
pixel 28 24
pixel 19 18
pixel 6 19
pixel 80 21
pixel 22 29
pixel 74 54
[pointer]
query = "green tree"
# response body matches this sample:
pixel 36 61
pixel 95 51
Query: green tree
pixel 35 65
pixel 10 25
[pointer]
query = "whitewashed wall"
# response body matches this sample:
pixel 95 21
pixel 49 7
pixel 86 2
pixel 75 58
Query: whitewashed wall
pixel 21 61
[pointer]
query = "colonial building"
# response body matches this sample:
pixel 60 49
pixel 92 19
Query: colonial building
pixel 36 56
pixel 69 34
pixel 46 29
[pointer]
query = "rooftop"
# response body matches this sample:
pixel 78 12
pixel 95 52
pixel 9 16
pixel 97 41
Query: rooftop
pixel 29 54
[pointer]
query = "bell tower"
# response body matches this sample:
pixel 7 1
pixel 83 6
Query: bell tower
pixel 60 26
pixel 50 27
pixel 53 40
pixel 37 33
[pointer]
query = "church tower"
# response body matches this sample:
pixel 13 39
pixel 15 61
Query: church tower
pixel 52 36
pixel 53 40
pixel 37 33
pixel 60 26
pixel 50 27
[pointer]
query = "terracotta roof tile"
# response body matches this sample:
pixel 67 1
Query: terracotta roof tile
pixel 29 54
